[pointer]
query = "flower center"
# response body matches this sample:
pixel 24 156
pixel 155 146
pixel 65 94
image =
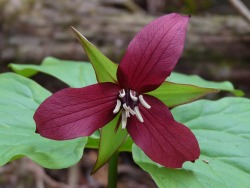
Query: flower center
pixel 128 101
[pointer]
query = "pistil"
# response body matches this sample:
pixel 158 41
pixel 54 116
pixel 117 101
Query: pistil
pixel 122 93
pixel 132 96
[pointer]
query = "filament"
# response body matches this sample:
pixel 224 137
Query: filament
pixel 124 119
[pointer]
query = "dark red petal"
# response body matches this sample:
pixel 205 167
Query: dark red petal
pixel 153 53
pixel 162 139
pixel 76 112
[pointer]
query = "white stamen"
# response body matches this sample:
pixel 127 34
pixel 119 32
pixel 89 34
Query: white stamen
pixel 132 96
pixel 127 103
pixel 124 119
pixel 131 111
pixel 117 107
pixel 143 102
pixel 127 113
pixel 138 114
pixel 122 93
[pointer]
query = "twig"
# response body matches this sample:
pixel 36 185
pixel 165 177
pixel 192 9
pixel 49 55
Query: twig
pixel 40 175
pixel 129 4
pixel 241 8
pixel 73 175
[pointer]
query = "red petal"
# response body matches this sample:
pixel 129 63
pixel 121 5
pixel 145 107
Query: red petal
pixel 153 53
pixel 164 140
pixel 76 112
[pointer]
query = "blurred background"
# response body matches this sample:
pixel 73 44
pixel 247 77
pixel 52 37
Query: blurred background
pixel 217 48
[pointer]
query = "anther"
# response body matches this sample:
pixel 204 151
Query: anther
pixel 143 102
pixel 122 93
pixel 133 97
pixel 124 119
pixel 138 114
pixel 117 107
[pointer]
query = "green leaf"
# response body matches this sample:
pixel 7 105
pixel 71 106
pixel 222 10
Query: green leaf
pixel 173 94
pixel 19 98
pixel 112 137
pixel 223 131
pixel 198 81
pixel 105 69
pixel 73 73
pixel 127 145
pixel 93 142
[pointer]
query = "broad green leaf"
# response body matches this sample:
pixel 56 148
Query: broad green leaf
pixel 105 69
pixel 74 73
pixel 223 131
pixel 173 94
pixel 198 81
pixel 19 98
pixel 112 137
pixel 93 140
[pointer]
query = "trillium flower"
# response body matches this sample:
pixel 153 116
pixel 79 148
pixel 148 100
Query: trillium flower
pixel 149 60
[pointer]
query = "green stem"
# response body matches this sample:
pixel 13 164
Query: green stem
pixel 112 175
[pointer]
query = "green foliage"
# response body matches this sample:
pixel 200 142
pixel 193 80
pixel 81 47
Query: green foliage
pixel 198 81
pixel 105 69
pixel 223 131
pixel 74 73
pixel 173 94
pixel 19 98
pixel 221 127
pixel 111 140
pixel 79 74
